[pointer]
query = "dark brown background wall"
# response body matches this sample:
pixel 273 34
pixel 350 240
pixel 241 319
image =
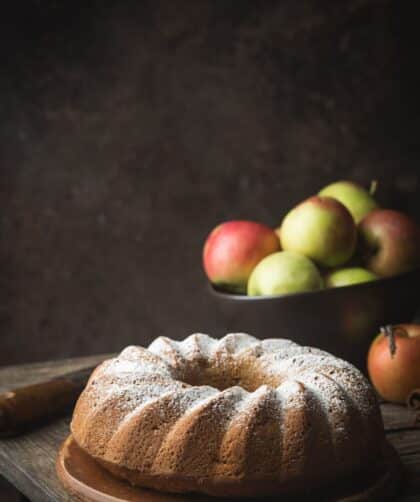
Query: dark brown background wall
pixel 127 131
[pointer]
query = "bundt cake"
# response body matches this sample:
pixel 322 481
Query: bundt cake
pixel 230 417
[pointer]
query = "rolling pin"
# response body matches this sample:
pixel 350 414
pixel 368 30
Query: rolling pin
pixel 24 408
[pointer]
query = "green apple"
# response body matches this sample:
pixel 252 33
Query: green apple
pixel 356 199
pixel 320 228
pixel 282 273
pixel 347 276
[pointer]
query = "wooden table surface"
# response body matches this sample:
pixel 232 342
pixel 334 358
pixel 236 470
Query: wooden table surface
pixel 28 461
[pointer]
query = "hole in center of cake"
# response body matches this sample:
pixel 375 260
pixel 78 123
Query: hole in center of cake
pixel 223 378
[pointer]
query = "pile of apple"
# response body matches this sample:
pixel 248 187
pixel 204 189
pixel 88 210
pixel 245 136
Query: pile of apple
pixel 336 238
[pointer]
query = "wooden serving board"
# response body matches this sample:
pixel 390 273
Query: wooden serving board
pixel 87 481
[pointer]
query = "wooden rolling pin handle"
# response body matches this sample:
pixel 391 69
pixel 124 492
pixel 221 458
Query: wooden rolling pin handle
pixel 20 409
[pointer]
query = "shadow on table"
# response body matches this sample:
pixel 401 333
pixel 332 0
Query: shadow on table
pixel 8 492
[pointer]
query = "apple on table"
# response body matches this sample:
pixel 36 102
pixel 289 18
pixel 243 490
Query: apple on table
pixel 394 362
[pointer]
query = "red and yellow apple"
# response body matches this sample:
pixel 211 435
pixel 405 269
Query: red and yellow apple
pixel 389 242
pixel 233 249
pixel 395 375
pixel 356 199
pixel 320 228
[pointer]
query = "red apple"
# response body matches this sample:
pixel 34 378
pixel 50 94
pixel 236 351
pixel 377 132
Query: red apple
pixel 395 373
pixel 233 249
pixel 389 242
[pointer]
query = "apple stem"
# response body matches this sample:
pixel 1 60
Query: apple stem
pixel 388 332
pixel 373 187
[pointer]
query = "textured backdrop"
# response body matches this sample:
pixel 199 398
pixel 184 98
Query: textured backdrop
pixel 128 131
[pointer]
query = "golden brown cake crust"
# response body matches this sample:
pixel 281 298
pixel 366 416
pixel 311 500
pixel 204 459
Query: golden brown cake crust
pixel 234 417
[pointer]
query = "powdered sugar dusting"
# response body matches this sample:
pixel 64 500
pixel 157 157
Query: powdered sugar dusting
pixel 233 397
pixel 197 345
pixel 167 349
pixel 276 344
pixel 139 361
pixel 234 343
pixel 290 394
pixel 295 361
pixel 276 357
pixel 325 389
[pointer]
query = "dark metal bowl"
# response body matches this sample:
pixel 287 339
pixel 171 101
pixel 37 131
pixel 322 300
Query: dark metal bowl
pixel 341 320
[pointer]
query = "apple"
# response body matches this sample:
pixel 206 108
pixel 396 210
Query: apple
pixel 347 276
pixel 394 362
pixel 320 228
pixel 284 272
pixel 389 242
pixel 356 199
pixel 232 250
